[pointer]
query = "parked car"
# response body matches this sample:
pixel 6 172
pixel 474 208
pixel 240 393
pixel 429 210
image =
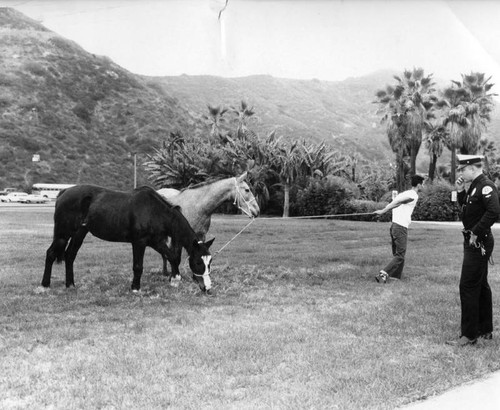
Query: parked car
pixel 33 199
pixel 13 197
pixel 7 190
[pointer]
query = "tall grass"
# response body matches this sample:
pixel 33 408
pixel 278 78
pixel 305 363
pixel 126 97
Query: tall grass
pixel 297 321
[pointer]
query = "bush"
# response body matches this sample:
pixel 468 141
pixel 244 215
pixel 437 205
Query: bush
pixel 323 197
pixel 366 206
pixel 35 68
pixel 435 204
pixel 82 112
pixel 5 102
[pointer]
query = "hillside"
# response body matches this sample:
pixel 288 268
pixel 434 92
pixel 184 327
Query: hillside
pixel 83 114
pixel 340 113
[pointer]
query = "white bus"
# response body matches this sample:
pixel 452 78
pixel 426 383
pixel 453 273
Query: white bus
pixel 49 190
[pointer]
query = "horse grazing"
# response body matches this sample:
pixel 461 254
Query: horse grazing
pixel 199 202
pixel 141 217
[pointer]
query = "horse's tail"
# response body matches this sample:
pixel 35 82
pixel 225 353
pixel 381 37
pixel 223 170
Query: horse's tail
pixel 58 248
pixel 59 253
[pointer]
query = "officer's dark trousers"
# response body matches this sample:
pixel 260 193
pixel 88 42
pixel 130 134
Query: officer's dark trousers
pixel 475 292
pixel 399 239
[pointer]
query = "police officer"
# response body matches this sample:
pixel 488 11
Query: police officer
pixel 480 209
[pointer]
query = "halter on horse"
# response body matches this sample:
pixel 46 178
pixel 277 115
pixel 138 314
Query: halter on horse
pixel 239 197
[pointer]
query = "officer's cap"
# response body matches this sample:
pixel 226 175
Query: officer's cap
pixel 464 160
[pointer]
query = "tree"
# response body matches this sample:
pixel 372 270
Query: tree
pixel 178 163
pixel 315 159
pixel 243 113
pixel 466 107
pixel 488 149
pixel 405 108
pixel 437 137
pixel 287 165
pixel 215 119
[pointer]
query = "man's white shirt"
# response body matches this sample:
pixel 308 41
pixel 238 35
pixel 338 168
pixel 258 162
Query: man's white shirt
pixel 402 214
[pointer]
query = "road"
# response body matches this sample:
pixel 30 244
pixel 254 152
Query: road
pixel 14 206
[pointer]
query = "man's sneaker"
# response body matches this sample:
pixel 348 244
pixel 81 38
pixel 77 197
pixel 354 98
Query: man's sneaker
pixel 486 336
pixel 381 277
pixel 462 342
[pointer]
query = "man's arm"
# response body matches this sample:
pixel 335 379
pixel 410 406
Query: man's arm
pixel 394 204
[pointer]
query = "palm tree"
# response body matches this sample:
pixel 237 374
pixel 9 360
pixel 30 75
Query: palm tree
pixel 488 150
pixel 437 136
pixel 467 105
pixel 406 106
pixel 215 119
pixel 286 165
pixel 243 113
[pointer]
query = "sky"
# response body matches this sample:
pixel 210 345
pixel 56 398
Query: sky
pixel 303 39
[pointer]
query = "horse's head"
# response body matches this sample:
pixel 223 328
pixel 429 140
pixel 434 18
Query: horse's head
pixel 243 197
pixel 199 262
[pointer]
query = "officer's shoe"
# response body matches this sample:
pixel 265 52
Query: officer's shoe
pixel 462 342
pixel 486 336
pixel 381 277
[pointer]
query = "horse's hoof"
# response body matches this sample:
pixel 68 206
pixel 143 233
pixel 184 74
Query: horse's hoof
pixel 41 289
pixel 136 291
pixel 210 292
pixel 174 282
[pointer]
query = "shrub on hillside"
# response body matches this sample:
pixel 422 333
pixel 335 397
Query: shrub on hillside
pixel 35 68
pixel 82 112
pixel 5 102
pixel 7 80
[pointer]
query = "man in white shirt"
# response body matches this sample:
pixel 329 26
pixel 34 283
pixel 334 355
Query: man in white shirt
pixel 402 208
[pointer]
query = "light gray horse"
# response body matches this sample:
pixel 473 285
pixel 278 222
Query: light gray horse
pixel 198 203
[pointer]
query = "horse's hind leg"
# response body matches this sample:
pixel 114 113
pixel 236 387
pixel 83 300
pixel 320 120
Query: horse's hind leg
pixel 55 251
pixel 70 254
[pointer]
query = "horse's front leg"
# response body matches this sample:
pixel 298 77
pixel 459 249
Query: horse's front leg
pixel 175 261
pixel 165 264
pixel 138 250
pixel 168 255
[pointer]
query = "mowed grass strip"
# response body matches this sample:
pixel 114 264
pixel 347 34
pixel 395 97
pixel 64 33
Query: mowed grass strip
pixel 297 321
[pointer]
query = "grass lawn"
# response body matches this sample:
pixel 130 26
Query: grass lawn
pixel 297 321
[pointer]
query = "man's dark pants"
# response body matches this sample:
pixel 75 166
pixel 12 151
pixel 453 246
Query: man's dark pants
pixel 399 238
pixel 475 292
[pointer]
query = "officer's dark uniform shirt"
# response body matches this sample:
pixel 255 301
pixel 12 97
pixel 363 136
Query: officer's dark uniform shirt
pixel 480 206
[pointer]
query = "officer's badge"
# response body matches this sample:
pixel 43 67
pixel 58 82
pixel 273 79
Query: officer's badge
pixel 487 190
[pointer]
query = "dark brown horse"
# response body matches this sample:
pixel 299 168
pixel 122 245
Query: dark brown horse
pixel 141 217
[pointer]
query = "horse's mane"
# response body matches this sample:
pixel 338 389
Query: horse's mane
pixel 202 184
pixel 157 195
